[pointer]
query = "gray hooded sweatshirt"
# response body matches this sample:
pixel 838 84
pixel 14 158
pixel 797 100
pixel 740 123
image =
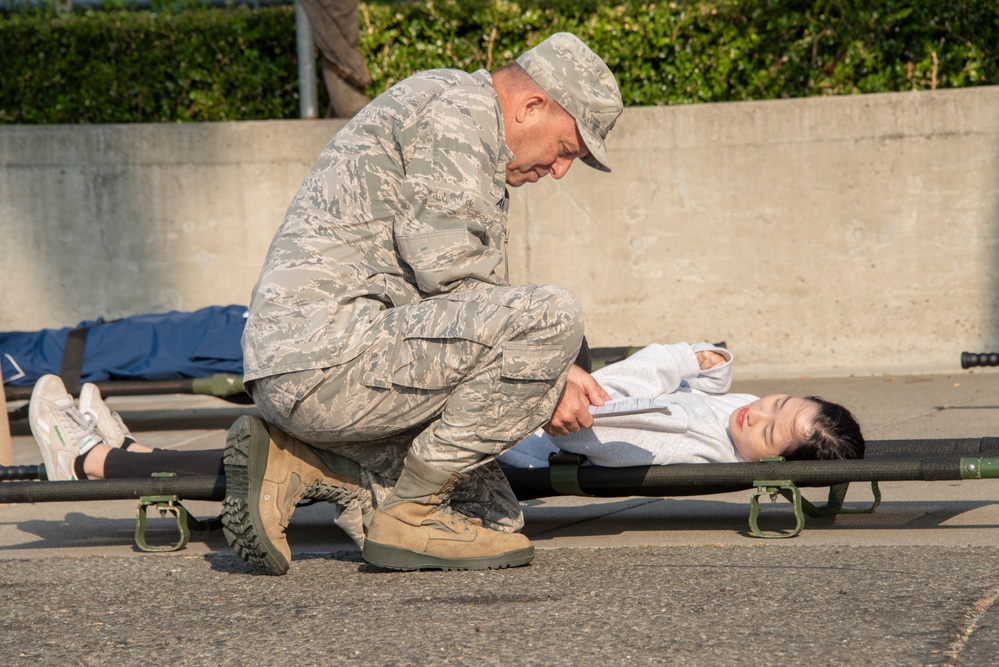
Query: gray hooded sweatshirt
pixel 695 431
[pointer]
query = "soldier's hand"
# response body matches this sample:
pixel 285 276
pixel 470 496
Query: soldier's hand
pixel 572 410
pixel 595 394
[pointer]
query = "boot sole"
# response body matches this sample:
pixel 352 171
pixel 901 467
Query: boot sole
pixel 241 507
pixel 396 558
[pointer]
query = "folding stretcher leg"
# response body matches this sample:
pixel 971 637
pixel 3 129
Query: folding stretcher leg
pixel 170 504
pixel 802 507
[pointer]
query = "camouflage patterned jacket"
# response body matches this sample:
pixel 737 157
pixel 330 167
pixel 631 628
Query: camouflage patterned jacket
pixel 408 200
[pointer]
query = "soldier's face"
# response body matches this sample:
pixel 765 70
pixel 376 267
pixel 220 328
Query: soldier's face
pixel 546 142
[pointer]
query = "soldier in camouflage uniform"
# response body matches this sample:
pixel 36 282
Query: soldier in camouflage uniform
pixel 383 334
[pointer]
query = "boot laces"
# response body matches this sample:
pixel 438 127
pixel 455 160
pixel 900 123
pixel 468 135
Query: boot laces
pixel 327 489
pixel 452 516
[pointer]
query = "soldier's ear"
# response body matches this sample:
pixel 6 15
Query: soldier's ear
pixel 532 107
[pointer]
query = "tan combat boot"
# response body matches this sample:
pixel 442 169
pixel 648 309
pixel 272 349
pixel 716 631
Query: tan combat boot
pixel 416 529
pixel 267 472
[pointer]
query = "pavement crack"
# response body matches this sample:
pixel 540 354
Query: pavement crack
pixel 729 566
pixel 970 623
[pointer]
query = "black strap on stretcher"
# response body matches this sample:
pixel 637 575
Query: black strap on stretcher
pixel 72 359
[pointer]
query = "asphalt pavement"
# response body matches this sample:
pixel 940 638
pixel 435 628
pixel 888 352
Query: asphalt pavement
pixel 616 581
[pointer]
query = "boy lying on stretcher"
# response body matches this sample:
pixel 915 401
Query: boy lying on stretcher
pixel 703 424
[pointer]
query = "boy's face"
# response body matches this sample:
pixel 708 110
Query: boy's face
pixel 768 425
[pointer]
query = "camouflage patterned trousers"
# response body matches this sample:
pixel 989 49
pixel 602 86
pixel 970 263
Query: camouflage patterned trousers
pixel 456 379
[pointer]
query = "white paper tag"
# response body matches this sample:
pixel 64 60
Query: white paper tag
pixel 630 406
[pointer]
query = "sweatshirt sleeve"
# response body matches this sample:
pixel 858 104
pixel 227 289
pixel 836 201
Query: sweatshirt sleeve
pixel 717 380
pixel 650 372
pixel 662 369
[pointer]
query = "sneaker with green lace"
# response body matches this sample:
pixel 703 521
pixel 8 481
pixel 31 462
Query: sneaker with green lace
pixel 62 433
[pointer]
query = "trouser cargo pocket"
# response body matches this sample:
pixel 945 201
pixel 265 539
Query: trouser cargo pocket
pixel 524 397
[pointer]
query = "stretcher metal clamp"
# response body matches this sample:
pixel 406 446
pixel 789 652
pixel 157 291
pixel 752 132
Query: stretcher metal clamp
pixel 169 504
pixel 773 488
pixel 789 490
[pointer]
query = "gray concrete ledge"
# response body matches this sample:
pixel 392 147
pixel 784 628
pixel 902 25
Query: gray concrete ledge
pixel 825 236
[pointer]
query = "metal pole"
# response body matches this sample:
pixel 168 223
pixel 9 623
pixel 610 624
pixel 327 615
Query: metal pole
pixel 6 452
pixel 188 488
pixel 673 480
pixel 308 89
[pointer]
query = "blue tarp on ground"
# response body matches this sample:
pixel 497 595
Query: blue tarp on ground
pixel 165 346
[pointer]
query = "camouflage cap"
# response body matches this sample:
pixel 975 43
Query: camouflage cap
pixel 576 78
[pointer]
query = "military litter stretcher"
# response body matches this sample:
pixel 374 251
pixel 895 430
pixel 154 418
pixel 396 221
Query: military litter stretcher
pixel 567 475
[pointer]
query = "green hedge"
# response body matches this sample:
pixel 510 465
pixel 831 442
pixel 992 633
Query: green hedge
pixel 118 67
pixel 240 64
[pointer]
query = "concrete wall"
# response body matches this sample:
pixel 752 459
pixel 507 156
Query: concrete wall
pixel 822 236
pixel 118 220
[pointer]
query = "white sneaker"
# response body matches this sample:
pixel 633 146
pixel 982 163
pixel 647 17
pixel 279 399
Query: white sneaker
pixel 61 431
pixel 95 411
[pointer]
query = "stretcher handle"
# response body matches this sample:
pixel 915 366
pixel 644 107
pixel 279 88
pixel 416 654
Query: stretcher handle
pixel 973 359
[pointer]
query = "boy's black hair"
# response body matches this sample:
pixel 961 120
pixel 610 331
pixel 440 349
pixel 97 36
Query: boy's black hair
pixel 835 434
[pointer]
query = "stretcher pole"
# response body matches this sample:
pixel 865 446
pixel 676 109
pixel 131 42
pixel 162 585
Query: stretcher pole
pixel 6 453
pixel 188 488
pixel 686 479
pixel 221 385
pixel 674 480
pixel 565 476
